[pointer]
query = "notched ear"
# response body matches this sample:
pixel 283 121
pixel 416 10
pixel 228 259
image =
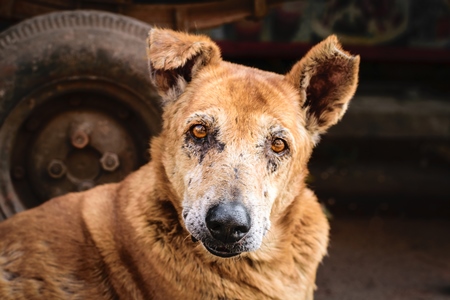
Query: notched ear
pixel 326 78
pixel 175 58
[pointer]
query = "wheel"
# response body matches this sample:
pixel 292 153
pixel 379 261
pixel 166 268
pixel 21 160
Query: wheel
pixel 76 105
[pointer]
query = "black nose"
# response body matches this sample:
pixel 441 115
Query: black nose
pixel 228 222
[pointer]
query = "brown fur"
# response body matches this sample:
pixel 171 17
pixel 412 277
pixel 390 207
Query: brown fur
pixel 132 240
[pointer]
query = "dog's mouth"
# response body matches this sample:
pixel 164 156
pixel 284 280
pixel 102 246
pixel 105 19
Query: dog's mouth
pixel 221 252
pixel 218 251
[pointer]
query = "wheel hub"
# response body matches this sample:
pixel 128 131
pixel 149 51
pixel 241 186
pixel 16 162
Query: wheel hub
pixel 72 136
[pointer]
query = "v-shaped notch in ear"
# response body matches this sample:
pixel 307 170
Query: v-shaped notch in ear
pixel 175 58
pixel 326 78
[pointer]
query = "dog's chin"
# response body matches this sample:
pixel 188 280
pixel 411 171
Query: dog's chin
pixel 221 252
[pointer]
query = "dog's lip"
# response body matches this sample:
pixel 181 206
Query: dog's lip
pixel 221 252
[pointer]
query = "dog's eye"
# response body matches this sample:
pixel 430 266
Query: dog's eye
pixel 278 145
pixel 198 131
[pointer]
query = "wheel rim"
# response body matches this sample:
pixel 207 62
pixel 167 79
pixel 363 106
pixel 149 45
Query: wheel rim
pixel 72 135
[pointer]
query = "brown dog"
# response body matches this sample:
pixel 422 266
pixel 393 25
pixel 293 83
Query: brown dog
pixel 221 212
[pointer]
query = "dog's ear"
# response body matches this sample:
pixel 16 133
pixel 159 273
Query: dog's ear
pixel 175 58
pixel 326 78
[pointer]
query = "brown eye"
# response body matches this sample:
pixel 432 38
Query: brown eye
pixel 198 131
pixel 278 145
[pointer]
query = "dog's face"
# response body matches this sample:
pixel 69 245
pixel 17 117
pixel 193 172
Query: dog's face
pixel 236 149
pixel 237 139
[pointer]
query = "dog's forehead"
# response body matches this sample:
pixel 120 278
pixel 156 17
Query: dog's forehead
pixel 244 92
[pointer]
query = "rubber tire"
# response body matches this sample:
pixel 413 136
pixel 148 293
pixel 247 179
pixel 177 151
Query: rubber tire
pixel 71 43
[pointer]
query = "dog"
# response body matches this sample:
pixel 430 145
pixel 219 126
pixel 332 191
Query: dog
pixel 221 211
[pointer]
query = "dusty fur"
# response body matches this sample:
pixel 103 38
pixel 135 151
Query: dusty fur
pixel 146 238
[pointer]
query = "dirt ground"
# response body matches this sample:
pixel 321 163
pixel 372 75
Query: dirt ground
pixel 375 258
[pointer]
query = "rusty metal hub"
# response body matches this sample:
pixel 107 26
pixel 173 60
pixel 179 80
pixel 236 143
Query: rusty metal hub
pixel 72 136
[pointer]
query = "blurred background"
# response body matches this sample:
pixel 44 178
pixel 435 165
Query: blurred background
pixel 382 174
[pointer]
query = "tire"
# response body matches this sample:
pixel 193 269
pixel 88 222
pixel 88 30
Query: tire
pixel 76 105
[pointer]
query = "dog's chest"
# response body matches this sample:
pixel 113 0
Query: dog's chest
pixel 238 280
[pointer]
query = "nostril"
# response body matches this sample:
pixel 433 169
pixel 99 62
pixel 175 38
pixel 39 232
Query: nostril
pixel 214 226
pixel 228 222
pixel 241 229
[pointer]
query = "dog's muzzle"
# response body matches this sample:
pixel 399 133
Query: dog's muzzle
pixel 228 223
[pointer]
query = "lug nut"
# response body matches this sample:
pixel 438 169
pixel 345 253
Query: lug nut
pixel 79 139
pixel 85 185
pixel 109 161
pixel 56 168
